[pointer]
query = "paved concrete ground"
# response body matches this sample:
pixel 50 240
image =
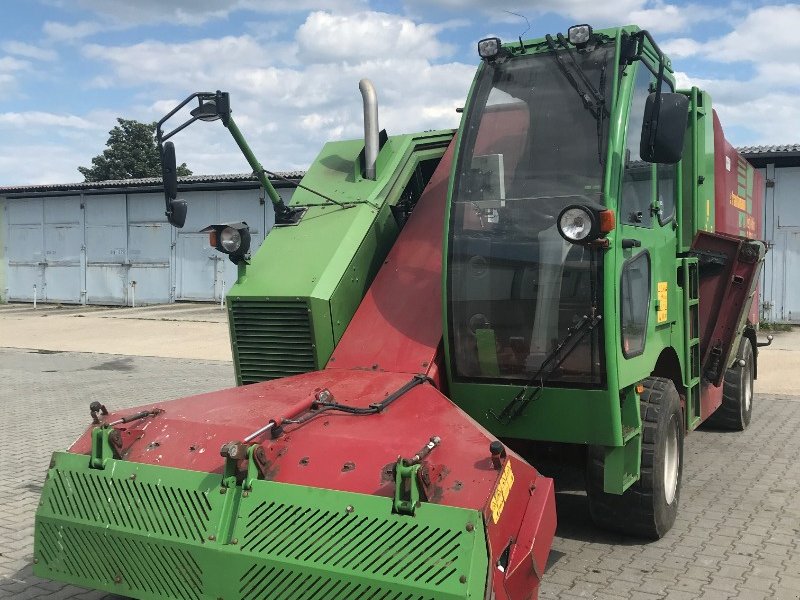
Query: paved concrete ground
pixel 180 330
pixel 738 535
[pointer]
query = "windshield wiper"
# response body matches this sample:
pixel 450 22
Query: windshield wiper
pixel 594 100
pixel 552 361
pixel 598 95
pixel 589 102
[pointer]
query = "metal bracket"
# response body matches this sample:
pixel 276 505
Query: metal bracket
pixel 106 444
pixel 406 488
pixel 410 477
pixel 234 452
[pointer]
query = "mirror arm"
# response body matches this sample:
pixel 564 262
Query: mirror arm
pixel 181 127
pixel 159 132
pixel 258 169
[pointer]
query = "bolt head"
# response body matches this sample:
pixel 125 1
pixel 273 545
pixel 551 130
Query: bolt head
pixel 349 509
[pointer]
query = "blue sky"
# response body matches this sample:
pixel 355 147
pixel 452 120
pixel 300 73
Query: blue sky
pixel 69 68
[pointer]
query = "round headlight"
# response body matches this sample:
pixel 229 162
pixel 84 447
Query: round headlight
pixel 575 224
pixel 230 239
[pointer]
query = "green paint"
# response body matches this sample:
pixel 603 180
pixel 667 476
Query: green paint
pixel 609 416
pixel 304 284
pixel 487 352
pixel 154 532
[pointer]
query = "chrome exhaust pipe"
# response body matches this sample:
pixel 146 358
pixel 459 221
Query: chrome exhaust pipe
pixel 371 135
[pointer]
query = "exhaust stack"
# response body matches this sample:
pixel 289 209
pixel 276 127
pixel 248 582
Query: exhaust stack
pixel 371 140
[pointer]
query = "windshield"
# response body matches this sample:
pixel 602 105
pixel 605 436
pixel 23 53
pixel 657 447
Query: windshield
pixel 534 143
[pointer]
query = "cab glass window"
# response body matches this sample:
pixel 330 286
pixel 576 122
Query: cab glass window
pixel 637 180
pixel 635 300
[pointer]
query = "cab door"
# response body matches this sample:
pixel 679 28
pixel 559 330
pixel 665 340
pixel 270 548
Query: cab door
pixel 646 243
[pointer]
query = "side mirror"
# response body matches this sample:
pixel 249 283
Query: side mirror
pixel 176 213
pixel 169 171
pixel 664 128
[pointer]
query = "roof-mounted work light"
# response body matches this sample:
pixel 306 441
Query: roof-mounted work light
pixel 489 48
pixel 579 35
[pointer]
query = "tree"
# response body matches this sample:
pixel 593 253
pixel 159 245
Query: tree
pixel 131 153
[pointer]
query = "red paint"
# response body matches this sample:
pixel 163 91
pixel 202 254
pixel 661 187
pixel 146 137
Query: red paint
pixel 398 325
pixel 528 524
pixel 728 218
pixel 190 432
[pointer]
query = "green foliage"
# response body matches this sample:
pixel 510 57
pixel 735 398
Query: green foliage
pixel 131 153
pixel 770 326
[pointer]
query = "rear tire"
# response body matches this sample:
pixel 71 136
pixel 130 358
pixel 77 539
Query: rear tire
pixel 648 508
pixel 736 410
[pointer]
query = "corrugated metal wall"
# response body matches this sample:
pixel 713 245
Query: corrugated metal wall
pixel 781 293
pixel 118 248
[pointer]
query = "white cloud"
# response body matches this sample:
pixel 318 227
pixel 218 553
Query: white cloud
pixel 768 33
pixel 10 67
pixel 289 99
pixel 29 51
pixel 196 12
pixel 44 119
pixel 42 163
pixel 326 37
pixel 681 47
pixel 62 32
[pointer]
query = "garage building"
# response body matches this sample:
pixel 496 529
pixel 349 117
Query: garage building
pixel 109 242
pixel 780 166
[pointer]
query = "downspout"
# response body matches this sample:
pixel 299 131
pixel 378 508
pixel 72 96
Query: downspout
pixel 371 137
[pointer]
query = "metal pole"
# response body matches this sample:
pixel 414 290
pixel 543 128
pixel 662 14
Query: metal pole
pixel 34 296
pixel 258 169
pixel 133 294
pixel 222 295
pixel 371 132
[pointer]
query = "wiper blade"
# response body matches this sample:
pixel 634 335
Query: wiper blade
pixel 597 95
pixel 552 361
pixel 597 103
pixel 588 102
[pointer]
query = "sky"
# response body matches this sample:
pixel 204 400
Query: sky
pixel 69 68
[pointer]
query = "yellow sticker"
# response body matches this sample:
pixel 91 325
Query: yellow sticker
pixel 661 315
pixel 498 502
pixel 738 202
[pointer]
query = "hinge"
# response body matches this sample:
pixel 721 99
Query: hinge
pixel 410 479
pixel 106 443
pixel 770 183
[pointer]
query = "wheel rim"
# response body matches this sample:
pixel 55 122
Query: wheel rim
pixel 671 462
pixel 748 389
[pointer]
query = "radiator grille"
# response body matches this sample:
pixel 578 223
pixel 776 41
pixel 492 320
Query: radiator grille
pixel 129 504
pixel 271 339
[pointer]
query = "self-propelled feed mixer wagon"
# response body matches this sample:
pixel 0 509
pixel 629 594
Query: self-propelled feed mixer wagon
pixel 575 264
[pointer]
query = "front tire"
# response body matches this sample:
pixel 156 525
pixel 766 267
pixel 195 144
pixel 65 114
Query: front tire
pixel 736 410
pixel 648 508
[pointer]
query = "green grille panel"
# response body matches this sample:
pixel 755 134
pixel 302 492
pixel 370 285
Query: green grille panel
pixel 154 532
pixel 148 568
pixel 271 338
pixel 168 511
pixel 397 549
pixel 280 584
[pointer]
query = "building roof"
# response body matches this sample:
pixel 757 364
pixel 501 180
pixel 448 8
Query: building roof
pixel 756 154
pixel 773 149
pixel 144 183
